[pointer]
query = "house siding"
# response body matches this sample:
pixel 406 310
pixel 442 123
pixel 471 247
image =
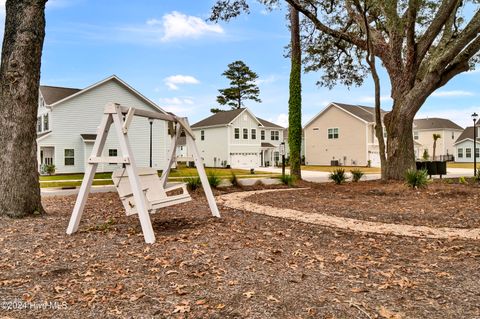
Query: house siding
pixel 349 148
pixel 464 145
pixel 82 115
pixel 445 144
pixel 213 149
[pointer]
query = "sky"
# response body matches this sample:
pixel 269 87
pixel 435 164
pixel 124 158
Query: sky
pixel 172 55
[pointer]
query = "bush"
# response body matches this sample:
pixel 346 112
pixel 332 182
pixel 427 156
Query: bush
pixel 288 180
pixel 213 179
pixel 462 180
pixel 476 178
pixel 50 169
pixel 416 179
pixel 193 182
pixel 356 175
pixel 234 180
pixel 338 176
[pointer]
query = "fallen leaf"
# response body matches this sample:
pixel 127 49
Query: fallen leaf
pixel 388 314
pixel 181 309
pixel 272 298
pixel 249 294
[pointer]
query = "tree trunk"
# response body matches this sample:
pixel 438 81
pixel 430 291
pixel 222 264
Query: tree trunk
pixel 295 99
pixel 400 151
pixel 19 86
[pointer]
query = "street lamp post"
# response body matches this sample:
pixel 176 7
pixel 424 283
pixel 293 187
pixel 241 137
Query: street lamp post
pixel 151 124
pixel 475 118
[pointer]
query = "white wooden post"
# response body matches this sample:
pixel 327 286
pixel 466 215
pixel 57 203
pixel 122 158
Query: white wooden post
pixel 172 153
pixel 89 174
pixel 203 176
pixel 138 195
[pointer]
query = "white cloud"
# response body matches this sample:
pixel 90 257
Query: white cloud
pixel 172 81
pixel 177 25
pixel 281 119
pixel 182 106
pixel 371 99
pixel 267 80
pixel 455 93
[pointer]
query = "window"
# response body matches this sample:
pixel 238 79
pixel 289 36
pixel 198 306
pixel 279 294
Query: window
pixel 112 153
pixel 332 133
pixel 316 129
pixel 274 136
pixel 262 135
pixel 276 157
pixel 468 152
pixel 45 122
pixel 245 133
pixel 453 135
pixel 39 124
pixel 237 133
pixel 415 135
pixel 460 153
pixel 69 157
pixel 254 134
pixel 477 154
pixel 202 135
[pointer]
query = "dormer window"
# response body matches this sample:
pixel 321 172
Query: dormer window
pixel 46 123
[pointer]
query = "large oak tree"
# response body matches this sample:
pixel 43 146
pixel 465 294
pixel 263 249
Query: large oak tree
pixel 19 84
pixel 422 45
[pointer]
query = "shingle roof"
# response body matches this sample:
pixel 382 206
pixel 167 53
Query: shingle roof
pixel 467 133
pixel 52 94
pixel 182 141
pixel 267 145
pixel 435 123
pixel 366 113
pixel 268 124
pixel 220 118
pixel 225 117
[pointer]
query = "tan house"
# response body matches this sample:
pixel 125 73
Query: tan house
pixel 423 130
pixel 343 133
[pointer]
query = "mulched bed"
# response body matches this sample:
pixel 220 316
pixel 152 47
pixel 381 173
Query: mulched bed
pixel 441 204
pixel 240 266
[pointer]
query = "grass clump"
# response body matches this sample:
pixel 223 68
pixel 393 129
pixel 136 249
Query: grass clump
pixel 338 176
pixel 213 179
pixel 357 174
pixel 193 182
pixel 288 180
pixel 416 179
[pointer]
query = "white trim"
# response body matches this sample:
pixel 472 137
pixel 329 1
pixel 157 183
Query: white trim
pixel 63 155
pixel 243 133
pixel 338 133
pixel 208 126
pixel 250 112
pixel 112 77
pixel 47 133
pixel 338 107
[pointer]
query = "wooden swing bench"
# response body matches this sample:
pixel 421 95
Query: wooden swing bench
pixel 151 184
pixel 141 190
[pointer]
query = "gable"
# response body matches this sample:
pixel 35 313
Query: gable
pixel 339 111
pixel 120 84
pixel 246 119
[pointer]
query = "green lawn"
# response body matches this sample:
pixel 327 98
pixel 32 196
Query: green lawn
pixel 325 168
pixel 176 174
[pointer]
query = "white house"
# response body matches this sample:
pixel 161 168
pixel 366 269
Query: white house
pixel 423 130
pixel 68 120
pixel 464 146
pixel 239 139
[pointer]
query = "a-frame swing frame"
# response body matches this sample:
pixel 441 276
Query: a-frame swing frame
pixel 121 118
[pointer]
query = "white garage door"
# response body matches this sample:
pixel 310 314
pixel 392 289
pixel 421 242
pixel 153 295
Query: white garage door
pixel 244 160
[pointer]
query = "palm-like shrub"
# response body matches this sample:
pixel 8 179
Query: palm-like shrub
pixel 234 180
pixel 338 176
pixel 416 178
pixel 193 182
pixel 213 179
pixel 356 174
pixel 288 180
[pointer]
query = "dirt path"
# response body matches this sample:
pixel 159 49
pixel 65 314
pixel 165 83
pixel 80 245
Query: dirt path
pixel 239 200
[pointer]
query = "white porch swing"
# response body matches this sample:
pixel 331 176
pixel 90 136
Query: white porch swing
pixel 140 189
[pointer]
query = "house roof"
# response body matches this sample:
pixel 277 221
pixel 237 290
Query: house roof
pixel 366 113
pixel 267 145
pixel 435 123
pixel 72 94
pixel 52 94
pixel 361 112
pixel 467 134
pixel 268 124
pixel 225 117
pixel 220 118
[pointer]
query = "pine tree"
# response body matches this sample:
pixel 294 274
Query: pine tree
pixel 242 86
